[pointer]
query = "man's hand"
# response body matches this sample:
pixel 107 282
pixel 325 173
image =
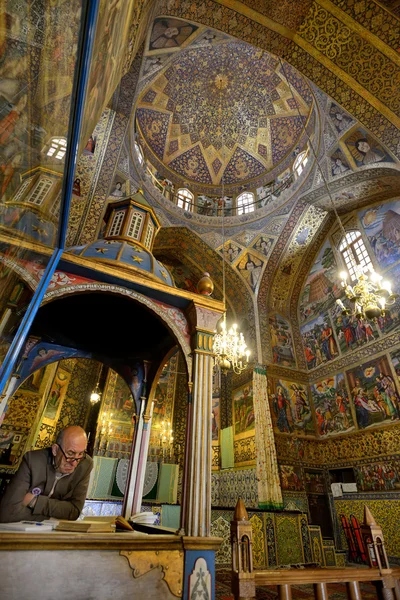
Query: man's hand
pixel 28 498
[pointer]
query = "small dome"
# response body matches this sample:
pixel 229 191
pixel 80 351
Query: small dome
pixel 131 226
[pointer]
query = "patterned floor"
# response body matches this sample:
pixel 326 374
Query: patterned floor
pixel 336 591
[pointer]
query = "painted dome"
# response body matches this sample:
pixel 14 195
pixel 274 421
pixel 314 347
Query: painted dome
pixel 223 113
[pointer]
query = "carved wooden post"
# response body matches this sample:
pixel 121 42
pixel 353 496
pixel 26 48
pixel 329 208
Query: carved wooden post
pixel 373 539
pixel 285 591
pixel 243 581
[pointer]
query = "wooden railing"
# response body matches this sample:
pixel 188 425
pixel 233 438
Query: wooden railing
pixel 245 578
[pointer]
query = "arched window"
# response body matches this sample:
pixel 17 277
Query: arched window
pixel 184 199
pixel 57 148
pixel 139 153
pixel 300 163
pixel 135 225
pixel 40 191
pixel 116 224
pixel 245 203
pixel 354 253
pixel 149 235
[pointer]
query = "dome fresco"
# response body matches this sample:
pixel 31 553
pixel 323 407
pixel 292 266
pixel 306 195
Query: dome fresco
pixel 223 113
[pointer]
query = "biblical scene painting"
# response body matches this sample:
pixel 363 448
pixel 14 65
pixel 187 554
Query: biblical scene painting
pixel 391 319
pixel 315 482
pixel 365 150
pixel 243 410
pixel 122 404
pixel 374 393
pixel 350 331
pixel 321 288
pixel 291 478
pixel 319 342
pixel 382 227
pixel 161 424
pixel 11 445
pixel 291 409
pixel 378 477
pixel 332 406
pixel 250 267
pixel 56 396
pixel 281 342
pixel 395 356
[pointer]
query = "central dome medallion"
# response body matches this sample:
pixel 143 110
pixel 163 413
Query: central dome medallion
pixel 222 112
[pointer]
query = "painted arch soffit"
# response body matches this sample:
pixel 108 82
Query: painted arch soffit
pixel 368 88
pixel 173 317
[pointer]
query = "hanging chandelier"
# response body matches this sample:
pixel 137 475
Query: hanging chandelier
pixel 369 295
pixel 95 395
pixel 230 349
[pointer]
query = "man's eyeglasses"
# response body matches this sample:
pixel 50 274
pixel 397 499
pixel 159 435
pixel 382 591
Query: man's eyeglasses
pixel 72 458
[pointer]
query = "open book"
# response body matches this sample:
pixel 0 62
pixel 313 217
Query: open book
pixel 95 525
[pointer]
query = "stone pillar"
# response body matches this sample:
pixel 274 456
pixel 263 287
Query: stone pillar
pixel 196 486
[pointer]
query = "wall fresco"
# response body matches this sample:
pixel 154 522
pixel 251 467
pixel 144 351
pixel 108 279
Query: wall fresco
pixel 378 477
pixel 243 410
pixel 291 409
pixel 381 224
pixel 281 342
pixel 321 288
pixel 350 331
pixel 364 149
pixel 332 406
pixel 374 393
pixel 319 342
pixel 291 478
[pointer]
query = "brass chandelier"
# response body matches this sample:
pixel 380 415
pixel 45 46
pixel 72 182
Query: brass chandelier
pixel 369 296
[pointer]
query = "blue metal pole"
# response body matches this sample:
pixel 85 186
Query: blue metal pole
pixel 85 47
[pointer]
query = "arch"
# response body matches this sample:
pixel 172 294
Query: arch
pixel 184 199
pixel 173 318
pixel 245 203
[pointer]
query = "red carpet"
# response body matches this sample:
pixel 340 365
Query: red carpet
pixel 336 591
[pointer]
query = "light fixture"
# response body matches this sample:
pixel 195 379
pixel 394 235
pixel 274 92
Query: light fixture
pixel 369 295
pixel 230 349
pixel 95 395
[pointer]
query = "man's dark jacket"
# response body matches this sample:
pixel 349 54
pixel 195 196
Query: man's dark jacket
pixel 37 471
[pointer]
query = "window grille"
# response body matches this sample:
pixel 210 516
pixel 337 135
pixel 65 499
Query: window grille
pixel 355 254
pixel 245 203
pixel 135 225
pixel 40 191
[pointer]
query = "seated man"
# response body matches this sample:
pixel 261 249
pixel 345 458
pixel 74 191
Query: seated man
pixel 51 482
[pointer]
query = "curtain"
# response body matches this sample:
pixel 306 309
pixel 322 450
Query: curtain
pixel 269 488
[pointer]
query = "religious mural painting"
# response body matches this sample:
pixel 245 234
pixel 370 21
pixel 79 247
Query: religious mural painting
pixel 169 33
pixel 314 482
pixel 11 445
pixel 364 149
pixel 243 411
pixel 332 406
pixel 374 393
pixel 339 164
pixel 395 356
pixel 264 245
pixel 340 118
pixel 290 408
pixel 56 396
pixel 319 342
pixel 321 288
pixel 120 188
pixel 378 477
pixel 291 477
pixel 281 341
pixel 381 224
pixel 231 251
pixel 250 267
pixel 350 331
